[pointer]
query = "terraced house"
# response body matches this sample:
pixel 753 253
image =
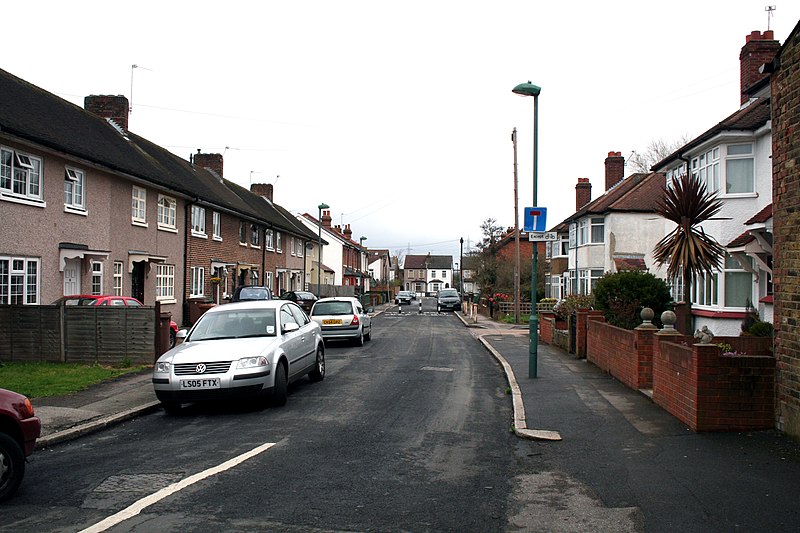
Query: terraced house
pixel 88 206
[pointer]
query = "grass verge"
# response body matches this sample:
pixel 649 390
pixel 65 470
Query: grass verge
pixel 41 380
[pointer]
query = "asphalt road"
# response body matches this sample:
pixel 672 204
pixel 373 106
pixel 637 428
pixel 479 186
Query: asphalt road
pixel 407 433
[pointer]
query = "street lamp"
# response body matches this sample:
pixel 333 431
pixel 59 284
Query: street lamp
pixel 319 248
pixel 361 265
pixel 529 89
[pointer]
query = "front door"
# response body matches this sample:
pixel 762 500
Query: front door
pixel 72 276
pixel 137 280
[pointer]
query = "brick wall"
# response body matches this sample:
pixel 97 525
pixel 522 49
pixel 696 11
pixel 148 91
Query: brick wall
pixel 710 392
pixel 625 354
pixel 786 245
pixel 583 316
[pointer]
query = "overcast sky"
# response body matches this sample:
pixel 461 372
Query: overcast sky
pixel 399 114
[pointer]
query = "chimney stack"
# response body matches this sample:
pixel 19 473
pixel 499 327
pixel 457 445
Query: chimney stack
pixel 211 162
pixel 326 219
pixel 113 107
pixel 348 233
pixel 615 169
pixel 759 48
pixel 583 193
pixel 262 189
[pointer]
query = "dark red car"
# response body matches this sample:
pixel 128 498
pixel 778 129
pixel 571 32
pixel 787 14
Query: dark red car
pixel 19 429
pixel 98 299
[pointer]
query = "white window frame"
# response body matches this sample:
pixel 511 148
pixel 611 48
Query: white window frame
pixel 705 290
pixel 706 168
pixel 216 218
pixel 97 277
pixel 165 282
pixel 734 158
pixel 278 246
pixel 74 189
pixel 199 221
pixel 20 175
pixel 596 223
pixel 583 232
pixel 300 246
pixel 269 278
pixel 292 249
pixel 20 280
pixel 735 271
pixel 138 206
pixel 269 239
pixel 167 213
pixel 198 275
pixel 118 266
pixel 255 236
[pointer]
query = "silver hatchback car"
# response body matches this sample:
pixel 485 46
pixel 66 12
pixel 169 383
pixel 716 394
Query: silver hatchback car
pixel 342 318
pixel 254 348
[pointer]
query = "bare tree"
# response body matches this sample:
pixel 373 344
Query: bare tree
pixel 657 150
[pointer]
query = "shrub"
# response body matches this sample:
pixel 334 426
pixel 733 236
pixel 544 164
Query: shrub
pixel 568 305
pixel 761 329
pixel 622 296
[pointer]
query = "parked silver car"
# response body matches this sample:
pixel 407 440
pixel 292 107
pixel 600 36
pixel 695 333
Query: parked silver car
pixel 342 318
pixel 404 297
pixel 253 348
pixel 448 299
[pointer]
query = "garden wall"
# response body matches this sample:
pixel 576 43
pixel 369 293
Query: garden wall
pixel 625 354
pixel 713 392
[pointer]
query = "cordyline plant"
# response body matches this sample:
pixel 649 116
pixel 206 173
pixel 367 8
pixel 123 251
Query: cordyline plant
pixel 688 250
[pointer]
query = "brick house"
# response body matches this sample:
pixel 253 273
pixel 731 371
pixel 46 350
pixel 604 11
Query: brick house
pixel 785 90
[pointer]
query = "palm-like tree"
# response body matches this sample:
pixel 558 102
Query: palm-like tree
pixel 688 250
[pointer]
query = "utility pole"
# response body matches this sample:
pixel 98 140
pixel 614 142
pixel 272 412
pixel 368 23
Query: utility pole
pixel 516 232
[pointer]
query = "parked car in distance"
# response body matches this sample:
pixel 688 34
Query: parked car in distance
pixel 100 299
pixel 251 292
pixel 250 348
pixel 19 429
pixel 342 318
pixel 403 297
pixel 448 299
pixel 304 299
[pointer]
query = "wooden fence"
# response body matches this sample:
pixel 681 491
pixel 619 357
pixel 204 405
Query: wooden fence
pixel 507 308
pixel 86 334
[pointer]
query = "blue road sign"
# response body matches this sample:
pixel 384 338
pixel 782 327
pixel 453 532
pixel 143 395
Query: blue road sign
pixel 535 219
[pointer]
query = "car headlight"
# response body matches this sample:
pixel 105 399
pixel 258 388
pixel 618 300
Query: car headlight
pixel 250 362
pixel 162 367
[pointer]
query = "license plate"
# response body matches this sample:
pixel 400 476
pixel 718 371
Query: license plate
pixel 332 321
pixel 206 383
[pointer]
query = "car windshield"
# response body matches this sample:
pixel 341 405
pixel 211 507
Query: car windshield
pixel 253 293
pixel 235 324
pixel 448 293
pixel 332 308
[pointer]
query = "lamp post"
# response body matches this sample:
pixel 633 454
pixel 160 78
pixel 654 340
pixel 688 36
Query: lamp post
pixel 361 266
pixel 529 89
pixel 319 248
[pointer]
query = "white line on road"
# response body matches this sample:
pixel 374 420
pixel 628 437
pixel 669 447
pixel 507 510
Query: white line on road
pixel 139 506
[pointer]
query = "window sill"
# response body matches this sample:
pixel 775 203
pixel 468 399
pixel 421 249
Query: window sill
pixel 139 223
pixel 167 300
pixel 75 211
pixel 199 235
pixel 6 197
pixel 169 229
pixel 217 238
pixel 735 196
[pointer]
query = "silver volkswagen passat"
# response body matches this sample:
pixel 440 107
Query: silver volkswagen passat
pixel 253 348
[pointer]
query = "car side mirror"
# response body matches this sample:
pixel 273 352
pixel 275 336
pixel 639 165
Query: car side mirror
pixel 289 327
pixel 181 334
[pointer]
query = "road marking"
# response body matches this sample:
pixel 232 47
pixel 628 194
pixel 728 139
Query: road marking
pixel 147 501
